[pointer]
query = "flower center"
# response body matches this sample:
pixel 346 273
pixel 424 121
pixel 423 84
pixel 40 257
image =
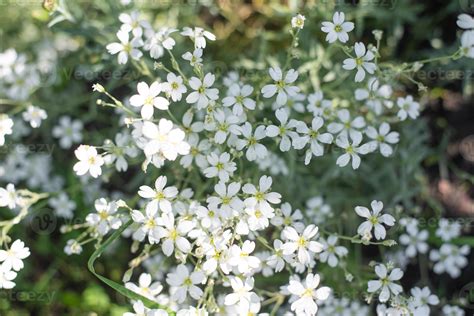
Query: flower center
pixel 373 220
pixel 252 141
pixel 259 196
pixel 302 242
pixel 103 215
pixel 159 196
pixel 150 223
pixel 188 282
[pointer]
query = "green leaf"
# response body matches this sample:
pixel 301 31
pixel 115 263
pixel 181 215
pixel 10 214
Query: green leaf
pixel 116 286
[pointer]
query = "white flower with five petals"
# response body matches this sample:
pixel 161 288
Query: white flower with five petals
pixel 375 220
pixel 337 29
pixel 282 86
pixel 362 62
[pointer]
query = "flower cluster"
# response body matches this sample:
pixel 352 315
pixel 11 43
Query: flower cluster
pixel 214 162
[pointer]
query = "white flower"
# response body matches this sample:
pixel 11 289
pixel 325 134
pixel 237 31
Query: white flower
pixel 282 86
pixel 352 150
pixel 194 58
pixel 307 294
pixel 284 130
pixel 337 29
pixel 331 253
pixel 408 107
pixel 146 287
pixel 203 93
pixel 276 260
pixel 361 62
pixel 376 96
pixel 148 99
pixel 382 139
pixel 301 243
pixel 197 152
pixel 182 283
pixel 68 131
pixel 125 47
pixel 140 310
pixel 375 219
pixel 198 35
pixel 13 257
pixel 450 258
pixel 123 147
pixel 9 196
pixel 191 311
pixel 386 283
pixel 62 205
pixel 467 44
pixel 237 96
pixel 346 125
pixel 148 223
pixel 224 124
pixel 448 229
pixel 160 41
pixel 227 199
pixel 242 296
pixel 6 278
pixel 72 247
pixel 258 218
pixel 255 150
pixel 294 103
pixel 261 198
pixel 288 218
pixel 451 310
pixel 174 87
pixel 415 241
pixel 241 259
pixel 422 298
pixel 209 217
pixel 6 125
pixel 105 218
pixel 221 166
pixel 164 140
pixel 89 161
pixel 173 234
pixel 34 115
pixel 217 253
pixel 132 23
pixel 161 196
pixel 312 136
pixel 298 21
pixel 465 21
pixel 317 210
